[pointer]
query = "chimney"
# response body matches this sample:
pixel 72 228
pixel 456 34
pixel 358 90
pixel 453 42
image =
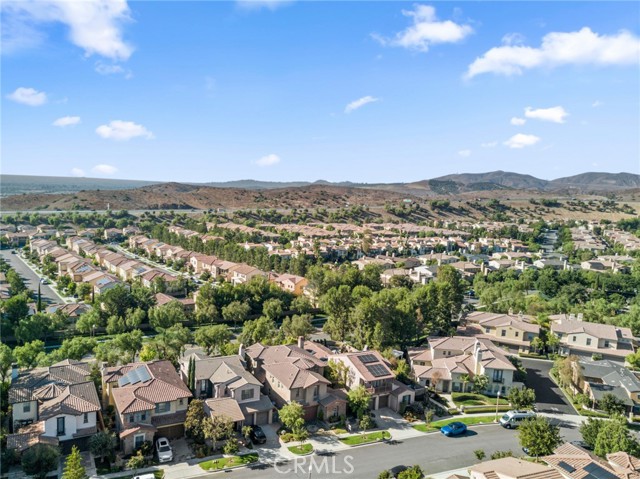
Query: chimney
pixel 510 311
pixel 218 390
pixel 580 316
pixel 301 342
pixel 478 357
pixel 14 371
pixel 241 351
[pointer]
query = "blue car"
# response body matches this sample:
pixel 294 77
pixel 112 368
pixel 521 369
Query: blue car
pixel 454 429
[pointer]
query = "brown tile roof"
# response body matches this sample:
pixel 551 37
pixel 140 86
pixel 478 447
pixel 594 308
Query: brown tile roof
pixel 578 459
pixel 30 436
pixel 292 376
pixel 356 360
pixel 46 383
pixel 136 428
pixel 227 407
pixel 76 399
pixel 624 461
pixel 178 417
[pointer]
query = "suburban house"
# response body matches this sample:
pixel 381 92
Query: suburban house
pixel 450 364
pixel 511 468
pixel 149 398
pixel 295 373
pixel 227 386
pixel 371 370
pixel 289 282
pixel 598 378
pixel 574 462
pixel 581 338
pixel 243 273
pixel 513 332
pixel 57 405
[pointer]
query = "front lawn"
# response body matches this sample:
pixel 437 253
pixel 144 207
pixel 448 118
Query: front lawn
pixel 472 399
pixel 231 461
pixel 302 449
pixel 468 420
pixel 358 439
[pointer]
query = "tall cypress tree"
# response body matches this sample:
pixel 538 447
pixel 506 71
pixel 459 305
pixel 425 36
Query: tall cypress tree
pixel 73 468
pixel 39 305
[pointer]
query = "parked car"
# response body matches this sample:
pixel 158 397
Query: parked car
pixel 257 435
pixel 454 429
pixel 582 444
pixel 44 281
pixel 145 476
pixel 512 419
pixel 395 471
pixel 165 453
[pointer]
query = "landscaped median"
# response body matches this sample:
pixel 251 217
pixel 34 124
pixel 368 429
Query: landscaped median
pixel 468 420
pixel 366 438
pixel 229 462
pixel 302 449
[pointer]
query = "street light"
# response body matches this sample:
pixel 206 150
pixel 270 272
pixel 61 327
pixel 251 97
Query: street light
pixel 93 330
pixel 497 405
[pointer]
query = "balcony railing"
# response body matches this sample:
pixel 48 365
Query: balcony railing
pixel 379 389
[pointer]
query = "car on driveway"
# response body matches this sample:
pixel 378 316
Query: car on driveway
pixel 165 453
pixel 512 419
pixel 454 429
pixel 257 435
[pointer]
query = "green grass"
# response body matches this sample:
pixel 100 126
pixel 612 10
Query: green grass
pixel 302 449
pixel 358 439
pixel 226 462
pixel 468 420
pixel 487 409
pixel 472 399
pixel 339 430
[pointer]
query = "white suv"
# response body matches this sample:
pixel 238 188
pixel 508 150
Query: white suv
pixel 512 419
pixel 165 453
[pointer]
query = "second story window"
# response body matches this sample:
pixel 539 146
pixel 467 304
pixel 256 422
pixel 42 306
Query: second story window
pixel 517 333
pixel 246 394
pixel 162 407
pixel 143 416
pixel 26 407
pixel 316 392
pixel 203 386
pixel 588 341
pixel 574 338
pixel 85 418
pixel 503 332
pixel 132 418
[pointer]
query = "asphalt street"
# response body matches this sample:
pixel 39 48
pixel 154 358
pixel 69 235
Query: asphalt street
pixel 433 452
pixel 30 278
pixel 549 397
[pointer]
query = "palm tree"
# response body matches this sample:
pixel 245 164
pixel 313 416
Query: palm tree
pixel 465 378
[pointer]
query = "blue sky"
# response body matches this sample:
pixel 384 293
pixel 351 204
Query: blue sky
pixel 359 91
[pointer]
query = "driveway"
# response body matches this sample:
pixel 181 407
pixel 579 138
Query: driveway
pixel 549 397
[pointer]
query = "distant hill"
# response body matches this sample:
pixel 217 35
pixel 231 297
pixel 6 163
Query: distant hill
pixel 18 184
pixel 598 181
pixel 502 178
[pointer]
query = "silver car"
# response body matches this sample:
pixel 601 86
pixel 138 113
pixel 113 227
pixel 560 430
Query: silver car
pixel 165 453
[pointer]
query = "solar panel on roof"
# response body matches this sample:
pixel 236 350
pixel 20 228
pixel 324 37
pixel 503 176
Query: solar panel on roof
pixel 377 370
pixel 598 472
pixel 368 358
pixel 567 467
pixel 134 376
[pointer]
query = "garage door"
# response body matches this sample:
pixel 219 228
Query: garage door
pixel 383 401
pixel 262 418
pixel 171 432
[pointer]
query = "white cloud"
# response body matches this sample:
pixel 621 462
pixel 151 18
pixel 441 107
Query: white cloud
pixel 28 96
pixel 513 39
pixel 258 4
pixel 123 130
pixel 464 153
pixel 104 169
pixel 489 144
pixel 518 121
pixel 425 31
pixel 583 47
pixel 554 114
pixel 67 121
pixel 77 172
pixel 94 25
pixel 597 104
pixel 521 140
pixel 359 103
pixel 112 69
pixel 268 160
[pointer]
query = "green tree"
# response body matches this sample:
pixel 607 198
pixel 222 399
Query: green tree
pixel 217 428
pixel 272 308
pixel 590 429
pixel 73 468
pixel 36 326
pixel 611 404
pixel 27 355
pixel 168 315
pixel 337 303
pixel 6 360
pixel 102 445
pixel 39 460
pixel 206 311
pixel 480 383
pixel 170 343
pixel 634 360
pixel 414 472
pixel 212 338
pixel 301 305
pixel 74 348
pixel 523 398
pixel 194 422
pixel 539 436
pixel 261 330
pixel 236 312
pixel 136 461
pixel 614 436
pixel 15 309
pixel 358 399
pixel 292 415
pixel 128 344
pixel 297 325
pixel 16 283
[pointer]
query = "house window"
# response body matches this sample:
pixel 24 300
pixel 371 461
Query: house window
pixel 297 393
pixel 497 376
pixel 503 332
pixel 316 392
pixel 247 394
pixel 181 401
pixel 60 426
pixel 138 440
pixel 487 330
pixel 132 418
pixel 203 386
pixel 85 418
pixel 517 333
pixel 406 399
pixel 606 344
pixel 26 407
pixel 163 407
pixel 143 416
pixel 588 341
pixel 574 338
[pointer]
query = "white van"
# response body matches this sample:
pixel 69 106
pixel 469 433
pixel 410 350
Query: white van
pixel 512 419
